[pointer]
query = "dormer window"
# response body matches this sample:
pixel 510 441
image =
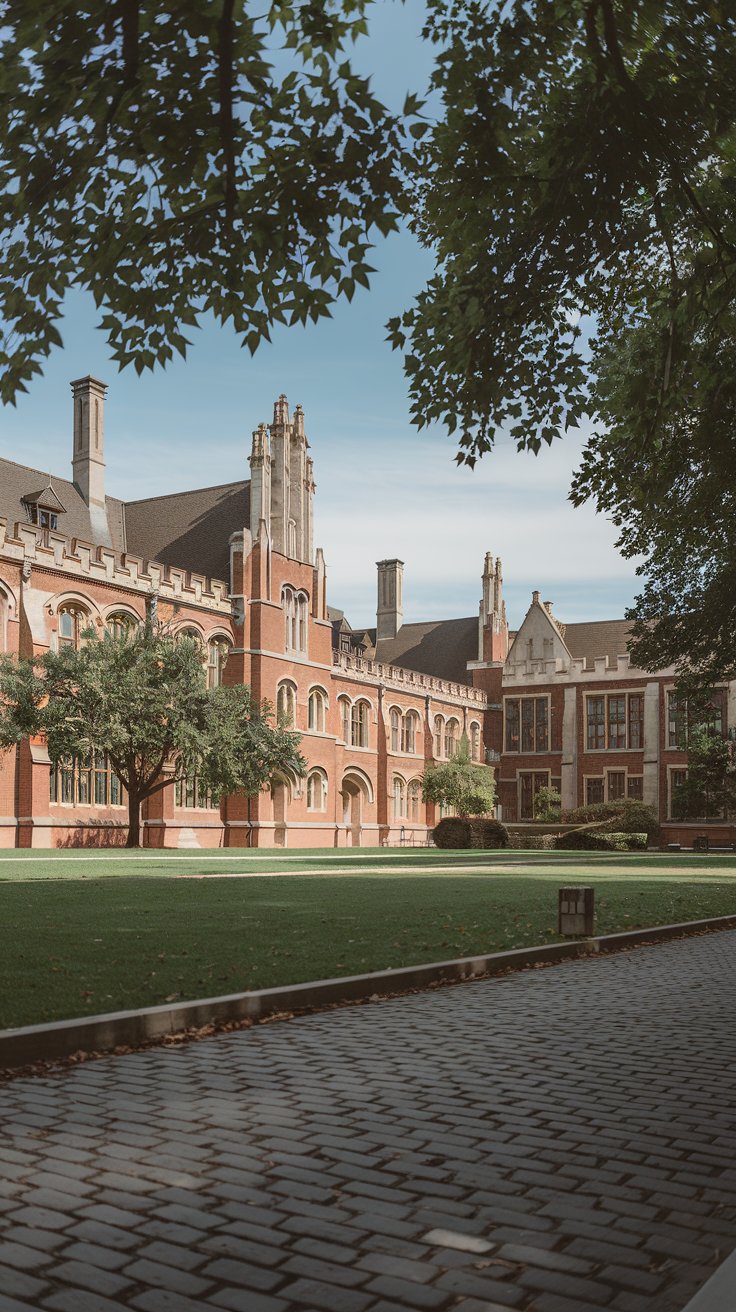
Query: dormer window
pixel 44 507
pixel 46 518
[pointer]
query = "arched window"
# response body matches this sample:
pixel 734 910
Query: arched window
pixel 317 707
pixel 286 703
pixel 302 615
pixel 316 790
pixel 452 738
pixel 218 650
pixel 439 725
pixel 475 741
pixel 396 722
pixel 4 610
pixel 414 799
pixel 192 634
pixel 119 625
pixel 296 615
pixel 399 790
pixel 288 601
pixel 73 620
pixel 359 724
pixel 345 718
pixel 409 732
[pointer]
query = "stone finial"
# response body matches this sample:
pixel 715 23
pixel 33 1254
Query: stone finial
pixel 535 599
pixel 298 421
pixel 281 410
pixel 259 448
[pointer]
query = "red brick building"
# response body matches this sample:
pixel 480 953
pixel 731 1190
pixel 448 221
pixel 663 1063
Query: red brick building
pixel 236 565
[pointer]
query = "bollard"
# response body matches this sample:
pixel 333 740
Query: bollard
pixel 576 912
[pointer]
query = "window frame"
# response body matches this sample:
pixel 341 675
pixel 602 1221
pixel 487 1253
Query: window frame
pixel 317 773
pixel 611 730
pixel 317 706
pixel 526 724
pixel 287 690
pixel 87 782
pixel 220 647
pixel 80 619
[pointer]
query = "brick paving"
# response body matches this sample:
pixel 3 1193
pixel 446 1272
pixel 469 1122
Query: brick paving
pixel 561 1140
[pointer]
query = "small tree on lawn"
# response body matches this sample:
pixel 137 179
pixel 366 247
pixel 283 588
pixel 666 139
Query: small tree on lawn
pixel 463 785
pixel 709 791
pixel 548 805
pixel 142 699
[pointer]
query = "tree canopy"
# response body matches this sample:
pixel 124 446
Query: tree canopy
pixel 142 699
pixel 709 790
pixel 467 788
pixel 579 189
pixel 177 159
pixel 577 186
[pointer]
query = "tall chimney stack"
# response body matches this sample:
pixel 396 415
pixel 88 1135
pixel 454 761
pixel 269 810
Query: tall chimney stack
pixel 88 458
pixel 390 611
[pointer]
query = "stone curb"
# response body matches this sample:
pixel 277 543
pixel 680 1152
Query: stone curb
pixel 719 1293
pixel 134 1029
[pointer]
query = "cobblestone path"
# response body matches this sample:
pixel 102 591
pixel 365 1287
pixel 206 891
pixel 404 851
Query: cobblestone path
pixel 560 1140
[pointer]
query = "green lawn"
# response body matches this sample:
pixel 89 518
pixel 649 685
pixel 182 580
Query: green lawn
pixel 75 940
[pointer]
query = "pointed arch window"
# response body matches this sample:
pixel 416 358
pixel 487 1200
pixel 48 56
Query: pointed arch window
pixel 317 710
pixel 439 726
pixel 396 720
pixel 286 703
pixel 345 717
pixel 452 738
pixel 359 724
pixel 296 619
pixel 409 733
pixel 399 796
pixel 475 741
pixel 414 799
pixel 218 650
pixel 317 791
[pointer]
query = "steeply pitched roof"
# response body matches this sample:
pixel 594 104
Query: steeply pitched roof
pixel 439 647
pixel 597 638
pixel 17 482
pixel 45 497
pixel 189 529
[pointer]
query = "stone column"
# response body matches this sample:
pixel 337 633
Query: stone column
pixel 651 745
pixel 569 764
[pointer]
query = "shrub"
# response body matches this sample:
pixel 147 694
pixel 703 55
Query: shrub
pixel 624 817
pixel 532 842
pixel 547 804
pixel 457 832
pixel 593 840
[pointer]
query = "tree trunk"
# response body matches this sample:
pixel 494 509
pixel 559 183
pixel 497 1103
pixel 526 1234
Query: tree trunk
pixel 134 821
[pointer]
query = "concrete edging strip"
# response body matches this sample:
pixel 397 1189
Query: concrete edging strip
pixel 132 1029
pixel 719 1293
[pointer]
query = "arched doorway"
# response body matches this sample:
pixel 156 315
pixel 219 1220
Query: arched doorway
pixel 355 791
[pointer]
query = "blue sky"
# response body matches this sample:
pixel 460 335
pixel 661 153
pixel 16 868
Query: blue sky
pixel 382 488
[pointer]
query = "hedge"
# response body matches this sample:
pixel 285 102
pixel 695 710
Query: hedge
pixel 626 816
pixel 457 832
pixel 592 840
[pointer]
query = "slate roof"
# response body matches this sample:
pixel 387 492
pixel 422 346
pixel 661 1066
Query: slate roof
pixel 439 647
pixel 597 638
pixel 189 529
pixel 20 481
